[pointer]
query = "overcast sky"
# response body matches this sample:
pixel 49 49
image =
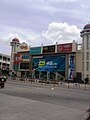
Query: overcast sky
pixel 44 22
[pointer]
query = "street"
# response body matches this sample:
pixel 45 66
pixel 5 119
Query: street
pixel 25 101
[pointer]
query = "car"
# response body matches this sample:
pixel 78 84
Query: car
pixel 2 81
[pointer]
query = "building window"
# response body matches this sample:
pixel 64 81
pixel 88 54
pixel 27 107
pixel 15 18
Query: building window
pixel 4 58
pixel 87 75
pixel 87 56
pixel 87 66
pixel 24 66
pixel 87 42
pixel 0 57
pixel 8 59
pixel 83 43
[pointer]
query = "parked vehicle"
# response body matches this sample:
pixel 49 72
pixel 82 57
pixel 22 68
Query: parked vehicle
pixel 2 81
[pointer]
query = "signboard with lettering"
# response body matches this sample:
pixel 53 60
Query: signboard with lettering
pixel 41 62
pixel 35 50
pixel 23 47
pixel 49 63
pixel 48 49
pixel 64 47
pixel 25 57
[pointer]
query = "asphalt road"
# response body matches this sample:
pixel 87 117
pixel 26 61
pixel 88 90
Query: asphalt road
pixel 25 101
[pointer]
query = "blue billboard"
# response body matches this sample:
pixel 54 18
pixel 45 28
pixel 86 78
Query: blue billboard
pixel 71 69
pixel 51 63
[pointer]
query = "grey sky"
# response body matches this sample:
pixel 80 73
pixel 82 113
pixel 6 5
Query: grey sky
pixel 42 21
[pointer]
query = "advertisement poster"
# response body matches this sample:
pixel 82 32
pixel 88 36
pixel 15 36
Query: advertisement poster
pixel 35 50
pixel 17 58
pixel 49 63
pixel 64 47
pixel 49 49
pixel 71 68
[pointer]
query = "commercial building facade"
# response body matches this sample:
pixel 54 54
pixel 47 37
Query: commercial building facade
pixel 48 62
pixel 4 63
pixel 85 34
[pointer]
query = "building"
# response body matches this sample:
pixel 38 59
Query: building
pixel 4 63
pixel 21 60
pixel 14 45
pixel 59 61
pixel 85 34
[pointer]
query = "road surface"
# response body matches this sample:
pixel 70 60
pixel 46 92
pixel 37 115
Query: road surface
pixel 25 101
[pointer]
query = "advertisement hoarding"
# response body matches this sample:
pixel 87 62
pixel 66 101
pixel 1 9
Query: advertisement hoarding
pixel 48 49
pixel 64 47
pixel 35 50
pixel 17 58
pixel 49 63
pixel 71 69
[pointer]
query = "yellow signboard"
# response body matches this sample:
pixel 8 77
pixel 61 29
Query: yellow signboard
pixel 41 62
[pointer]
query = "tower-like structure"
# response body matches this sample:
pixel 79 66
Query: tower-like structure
pixel 14 45
pixel 85 34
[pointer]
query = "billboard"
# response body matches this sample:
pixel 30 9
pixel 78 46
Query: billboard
pixel 49 63
pixel 71 69
pixel 35 50
pixel 25 57
pixel 17 58
pixel 64 47
pixel 23 47
pixel 48 49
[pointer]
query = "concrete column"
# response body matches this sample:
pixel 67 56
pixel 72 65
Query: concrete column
pixel 41 48
pixel 56 47
pixel 48 75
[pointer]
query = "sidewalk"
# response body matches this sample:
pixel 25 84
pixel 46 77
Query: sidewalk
pixel 67 85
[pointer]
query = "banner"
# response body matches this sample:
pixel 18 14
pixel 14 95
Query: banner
pixel 35 50
pixel 17 58
pixel 49 63
pixel 71 69
pixel 48 49
pixel 64 47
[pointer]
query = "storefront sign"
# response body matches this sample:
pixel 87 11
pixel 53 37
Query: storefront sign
pixel 49 49
pixel 25 56
pixel 35 50
pixel 23 47
pixel 64 47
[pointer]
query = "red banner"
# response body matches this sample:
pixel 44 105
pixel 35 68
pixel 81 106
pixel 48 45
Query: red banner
pixel 17 58
pixel 64 47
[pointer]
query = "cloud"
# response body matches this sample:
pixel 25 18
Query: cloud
pixel 56 32
pixel 62 33
pixel 42 21
pixel 8 33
